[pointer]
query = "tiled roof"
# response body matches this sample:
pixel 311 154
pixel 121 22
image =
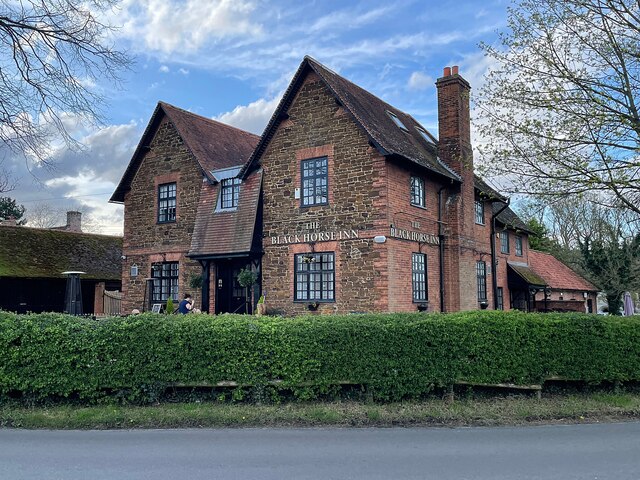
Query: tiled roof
pixel 558 275
pixel 39 253
pixel 226 232
pixel 527 275
pixel 371 114
pixel 487 192
pixel 508 218
pixel 213 144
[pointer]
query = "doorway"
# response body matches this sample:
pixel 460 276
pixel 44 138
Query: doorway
pixel 230 295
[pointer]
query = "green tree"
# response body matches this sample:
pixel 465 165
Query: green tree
pixel 10 209
pixel 560 104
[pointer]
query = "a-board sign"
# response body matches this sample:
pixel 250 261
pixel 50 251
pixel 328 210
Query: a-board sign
pixel 156 307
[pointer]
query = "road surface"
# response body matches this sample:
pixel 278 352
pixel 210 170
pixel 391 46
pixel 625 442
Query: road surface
pixel 603 451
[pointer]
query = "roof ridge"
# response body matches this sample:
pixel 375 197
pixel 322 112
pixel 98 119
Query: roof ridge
pixel 208 119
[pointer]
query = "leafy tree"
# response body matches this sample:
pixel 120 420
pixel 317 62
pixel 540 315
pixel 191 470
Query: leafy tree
pixel 539 239
pixel 10 209
pixel 51 53
pixel 560 105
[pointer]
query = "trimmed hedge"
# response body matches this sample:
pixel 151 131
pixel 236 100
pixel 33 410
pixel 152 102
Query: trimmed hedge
pixel 393 355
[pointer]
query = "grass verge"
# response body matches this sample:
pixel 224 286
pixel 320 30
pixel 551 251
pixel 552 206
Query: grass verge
pixel 512 410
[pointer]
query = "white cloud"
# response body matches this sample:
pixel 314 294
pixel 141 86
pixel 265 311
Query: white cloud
pixel 183 71
pixel 420 81
pixel 164 69
pixel 185 27
pixel 253 117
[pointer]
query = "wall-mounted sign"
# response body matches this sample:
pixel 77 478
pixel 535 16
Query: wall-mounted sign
pixel 325 236
pixel 414 236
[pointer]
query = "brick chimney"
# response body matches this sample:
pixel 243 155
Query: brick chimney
pixel 74 222
pixel 454 149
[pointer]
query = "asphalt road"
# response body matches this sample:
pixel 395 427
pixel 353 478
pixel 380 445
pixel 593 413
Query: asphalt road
pixel 609 451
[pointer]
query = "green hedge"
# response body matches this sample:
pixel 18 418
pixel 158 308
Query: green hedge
pixel 393 355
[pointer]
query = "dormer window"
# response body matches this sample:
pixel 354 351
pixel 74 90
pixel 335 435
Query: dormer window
pixel 397 121
pixel 229 192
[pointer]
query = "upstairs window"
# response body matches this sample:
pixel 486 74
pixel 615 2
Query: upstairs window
pixel 417 192
pixel 479 212
pixel 167 202
pixel 315 181
pixel 481 275
pixel 519 246
pixel 229 192
pixel 504 242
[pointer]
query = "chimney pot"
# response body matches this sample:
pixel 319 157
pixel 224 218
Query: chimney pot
pixel 447 72
pixel 454 70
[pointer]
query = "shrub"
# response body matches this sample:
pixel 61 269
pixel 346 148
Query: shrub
pixel 393 355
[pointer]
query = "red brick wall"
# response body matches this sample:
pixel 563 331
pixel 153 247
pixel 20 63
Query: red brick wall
pixel 146 241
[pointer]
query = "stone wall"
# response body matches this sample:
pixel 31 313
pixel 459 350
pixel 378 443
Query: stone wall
pixel 145 240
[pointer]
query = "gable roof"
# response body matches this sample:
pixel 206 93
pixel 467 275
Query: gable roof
pixel 38 253
pixel 226 233
pixel 214 145
pixel 370 113
pixel 558 275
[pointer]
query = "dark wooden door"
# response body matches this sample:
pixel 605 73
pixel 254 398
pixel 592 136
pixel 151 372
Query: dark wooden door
pixel 230 296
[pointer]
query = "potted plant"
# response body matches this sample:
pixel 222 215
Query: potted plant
pixel 246 278
pixel 170 307
pixel 313 306
pixel 261 307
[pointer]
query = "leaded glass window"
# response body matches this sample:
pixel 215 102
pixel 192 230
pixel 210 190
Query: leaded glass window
pixel 417 192
pixel 167 202
pixel 315 277
pixel 419 277
pixel 315 181
pixel 481 274
pixel 230 192
pixel 165 281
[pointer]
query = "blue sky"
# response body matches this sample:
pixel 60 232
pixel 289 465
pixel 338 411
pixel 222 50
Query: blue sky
pixel 232 59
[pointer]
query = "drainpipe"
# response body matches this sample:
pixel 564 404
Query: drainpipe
pixel 441 238
pixel 494 274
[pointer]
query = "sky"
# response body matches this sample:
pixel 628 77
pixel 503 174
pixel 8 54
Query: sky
pixel 231 60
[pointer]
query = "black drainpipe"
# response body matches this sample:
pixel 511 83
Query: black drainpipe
pixel 494 272
pixel 441 238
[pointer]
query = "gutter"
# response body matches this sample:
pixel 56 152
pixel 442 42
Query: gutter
pixel 441 249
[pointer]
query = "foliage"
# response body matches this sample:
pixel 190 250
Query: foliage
pixel 393 355
pixel 559 105
pixel 170 306
pixel 246 277
pixel 195 281
pixel 261 299
pixel 539 238
pixel 10 209
pixel 52 53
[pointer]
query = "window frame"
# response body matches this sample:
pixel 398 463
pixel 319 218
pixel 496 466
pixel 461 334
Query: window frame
pixel 233 185
pixel 481 281
pixel 304 277
pixel 416 283
pixel 479 212
pixel 500 298
pixel 314 177
pixel 167 200
pixel 504 242
pixel 519 246
pixel 422 194
pixel 172 281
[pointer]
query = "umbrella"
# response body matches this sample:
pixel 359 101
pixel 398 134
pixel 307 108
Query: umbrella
pixel 628 308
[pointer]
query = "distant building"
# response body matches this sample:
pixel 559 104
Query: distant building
pixel 345 204
pixel 32 261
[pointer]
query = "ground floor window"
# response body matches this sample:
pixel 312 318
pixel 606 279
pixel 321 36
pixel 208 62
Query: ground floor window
pixel 315 277
pixel 481 274
pixel 500 298
pixel 165 281
pixel 419 277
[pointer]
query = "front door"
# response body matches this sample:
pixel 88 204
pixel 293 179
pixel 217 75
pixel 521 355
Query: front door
pixel 230 296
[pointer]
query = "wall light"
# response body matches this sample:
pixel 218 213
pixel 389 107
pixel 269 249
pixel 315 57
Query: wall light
pixel 379 239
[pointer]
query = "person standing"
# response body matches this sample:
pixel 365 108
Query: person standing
pixel 186 304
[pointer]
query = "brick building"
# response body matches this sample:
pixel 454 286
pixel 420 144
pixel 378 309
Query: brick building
pixel 346 204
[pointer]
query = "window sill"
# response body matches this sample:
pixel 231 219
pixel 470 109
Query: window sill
pixel 165 222
pixel 225 210
pixel 314 301
pixel 418 206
